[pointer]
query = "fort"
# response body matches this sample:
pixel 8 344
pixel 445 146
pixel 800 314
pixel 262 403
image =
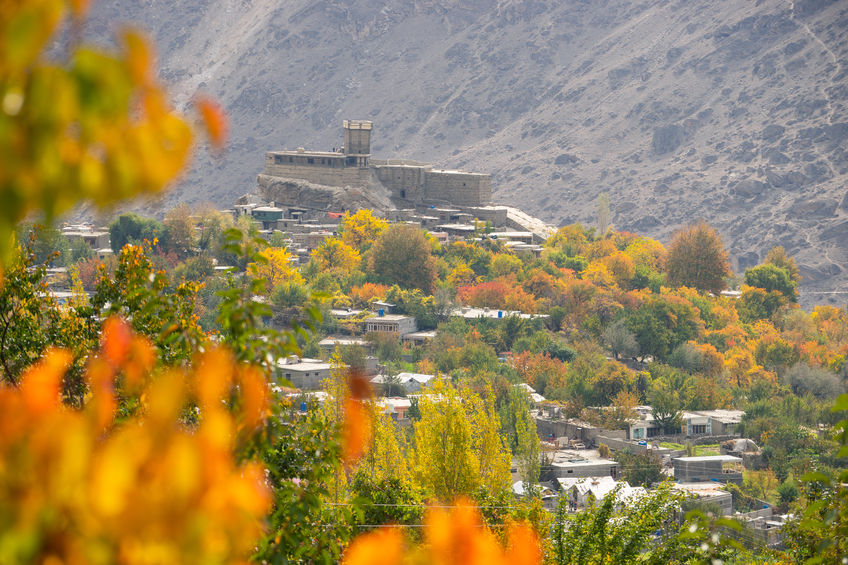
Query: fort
pixel 409 183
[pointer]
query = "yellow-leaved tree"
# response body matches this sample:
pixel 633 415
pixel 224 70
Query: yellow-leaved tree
pixel 361 230
pixel 333 253
pixel 275 267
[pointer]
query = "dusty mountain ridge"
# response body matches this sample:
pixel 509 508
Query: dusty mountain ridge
pixel 730 111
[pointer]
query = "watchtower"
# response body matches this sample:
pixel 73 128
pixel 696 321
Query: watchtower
pixel 357 142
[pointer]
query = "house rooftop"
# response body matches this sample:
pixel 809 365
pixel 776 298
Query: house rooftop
pixel 708 458
pixel 389 317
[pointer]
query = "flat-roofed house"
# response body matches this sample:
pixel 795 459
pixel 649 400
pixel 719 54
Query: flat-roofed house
pixel 715 468
pixel 398 324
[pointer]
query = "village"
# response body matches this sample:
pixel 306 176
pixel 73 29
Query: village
pixel 579 464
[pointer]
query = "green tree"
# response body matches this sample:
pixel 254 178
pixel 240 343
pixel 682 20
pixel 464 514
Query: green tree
pixel 402 256
pixel 47 244
pixel 445 464
pixel 620 340
pixel 772 278
pixel 31 321
pixel 132 228
pixel 670 392
pixel 661 323
pixel 137 292
pixel 640 469
pixel 778 257
pixel 604 534
pixel 697 259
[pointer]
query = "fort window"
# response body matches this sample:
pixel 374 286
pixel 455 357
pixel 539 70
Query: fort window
pixel 291 159
pixel 351 160
pixel 310 160
pixel 403 194
pixel 278 159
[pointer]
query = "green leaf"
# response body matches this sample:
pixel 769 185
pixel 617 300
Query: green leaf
pixel 816 477
pixel 841 403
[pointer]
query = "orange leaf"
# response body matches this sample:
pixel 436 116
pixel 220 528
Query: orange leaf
pixel 139 57
pixel 254 396
pixel 382 547
pixel 214 378
pixel 41 383
pixel 215 121
pixel 79 8
pixel 115 340
pixel 523 546
pixel 357 430
pixel 359 386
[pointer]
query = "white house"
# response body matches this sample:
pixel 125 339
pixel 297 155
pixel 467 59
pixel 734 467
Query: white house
pixel 397 324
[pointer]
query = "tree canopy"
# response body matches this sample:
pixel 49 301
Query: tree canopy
pixel 697 259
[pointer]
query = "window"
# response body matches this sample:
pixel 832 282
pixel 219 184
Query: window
pixel 278 159
pixel 291 159
pixel 403 194
pixel 699 429
pixel 310 160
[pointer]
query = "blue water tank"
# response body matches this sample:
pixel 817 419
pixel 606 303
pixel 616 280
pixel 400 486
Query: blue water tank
pixel 303 406
pixel 500 314
pixel 381 312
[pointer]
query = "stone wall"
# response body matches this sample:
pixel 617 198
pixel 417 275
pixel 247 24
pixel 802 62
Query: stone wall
pixel 319 174
pixel 403 181
pixel 459 188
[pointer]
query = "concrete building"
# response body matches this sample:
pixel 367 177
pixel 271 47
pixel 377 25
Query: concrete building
pixel 715 468
pixel 95 238
pixel 583 464
pixel 305 374
pixel 408 182
pixel 395 407
pixel 411 382
pixel 693 424
pixel 723 422
pixel 391 323
pixel 418 338
pixel 710 492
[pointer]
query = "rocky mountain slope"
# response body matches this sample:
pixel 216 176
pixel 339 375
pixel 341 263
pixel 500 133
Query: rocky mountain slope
pixel 734 111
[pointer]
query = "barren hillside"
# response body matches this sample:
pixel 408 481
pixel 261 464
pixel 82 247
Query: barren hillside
pixel 733 111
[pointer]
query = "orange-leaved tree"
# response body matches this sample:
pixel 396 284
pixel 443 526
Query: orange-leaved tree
pixel 78 487
pixel 455 535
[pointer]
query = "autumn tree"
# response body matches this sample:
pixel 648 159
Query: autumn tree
pixel 362 229
pixel 181 231
pixel 457 445
pixel 697 259
pixel 334 253
pixel 402 256
pixel 778 257
pixel 274 266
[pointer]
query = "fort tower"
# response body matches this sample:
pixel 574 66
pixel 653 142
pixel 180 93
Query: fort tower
pixel 357 142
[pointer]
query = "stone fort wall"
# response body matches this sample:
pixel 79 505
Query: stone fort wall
pixel 406 180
